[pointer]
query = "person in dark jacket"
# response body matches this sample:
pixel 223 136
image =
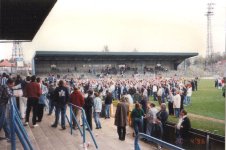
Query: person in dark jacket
pixel 108 102
pixel 50 96
pixel 144 103
pixel 121 118
pixel 137 114
pixel 118 91
pixel 5 94
pixel 162 116
pixel 61 98
pixel 88 108
pixel 182 130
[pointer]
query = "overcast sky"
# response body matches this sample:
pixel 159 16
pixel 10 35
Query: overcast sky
pixel 125 25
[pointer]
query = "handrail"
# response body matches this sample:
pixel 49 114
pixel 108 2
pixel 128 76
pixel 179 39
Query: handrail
pixel 157 141
pixel 84 122
pixel 17 128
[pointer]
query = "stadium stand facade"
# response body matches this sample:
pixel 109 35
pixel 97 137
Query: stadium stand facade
pixel 110 62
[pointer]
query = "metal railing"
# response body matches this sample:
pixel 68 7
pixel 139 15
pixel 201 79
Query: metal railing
pixel 17 128
pixel 155 140
pixel 84 123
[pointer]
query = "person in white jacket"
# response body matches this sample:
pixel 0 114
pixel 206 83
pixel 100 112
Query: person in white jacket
pixel 176 103
pixel 189 93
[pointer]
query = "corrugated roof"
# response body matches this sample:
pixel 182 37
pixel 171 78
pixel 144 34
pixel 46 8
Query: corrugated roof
pixel 88 53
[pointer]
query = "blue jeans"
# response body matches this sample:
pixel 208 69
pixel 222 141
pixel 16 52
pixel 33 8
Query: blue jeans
pixel 177 112
pixel 136 144
pixel 138 124
pixel 97 119
pixel 62 110
pixel 51 106
pixel 4 122
pixel 107 110
pixel 185 100
pixel 188 100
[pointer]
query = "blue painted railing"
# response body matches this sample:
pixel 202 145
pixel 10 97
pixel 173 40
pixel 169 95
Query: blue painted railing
pixel 84 122
pixel 155 140
pixel 17 128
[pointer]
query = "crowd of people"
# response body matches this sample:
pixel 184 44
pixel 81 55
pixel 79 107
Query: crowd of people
pixel 219 83
pixel 134 95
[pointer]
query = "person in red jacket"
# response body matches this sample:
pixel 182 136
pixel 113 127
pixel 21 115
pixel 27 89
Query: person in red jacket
pixel 77 99
pixel 33 92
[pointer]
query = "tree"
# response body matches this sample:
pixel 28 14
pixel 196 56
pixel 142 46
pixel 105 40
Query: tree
pixel 188 62
pixel 199 60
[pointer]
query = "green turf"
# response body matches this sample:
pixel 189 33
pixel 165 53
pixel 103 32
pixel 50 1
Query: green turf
pixel 207 101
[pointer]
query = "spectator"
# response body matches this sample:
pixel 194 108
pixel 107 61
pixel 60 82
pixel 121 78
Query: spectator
pixel 50 96
pixel 61 98
pixel 121 118
pixel 176 103
pixel 88 108
pixel 108 102
pixel 162 116
pixel 5 93
pixel 77 99
pixel 154 90
pixel 182 128
pixel 97 109
pixel 224 90
pixel 18 83
pixel 189 93
pixel 33 92
pixel 144 106
pixel 42 100
pixel 170 103
pixel 151 118
pixel 137 117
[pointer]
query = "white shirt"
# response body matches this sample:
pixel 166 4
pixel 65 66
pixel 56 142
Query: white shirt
pixel 176 101
pixel 181 119
pixel 154 88
pixel 151 115
pixel 130 99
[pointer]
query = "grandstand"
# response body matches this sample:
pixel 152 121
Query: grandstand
pixel 106 62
